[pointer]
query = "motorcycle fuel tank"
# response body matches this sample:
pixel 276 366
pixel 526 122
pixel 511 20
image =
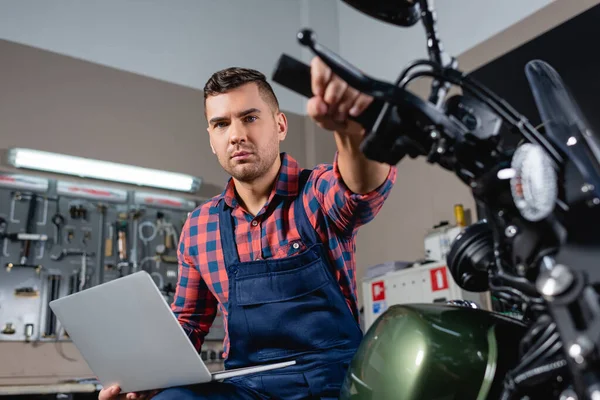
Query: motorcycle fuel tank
pixel 433 352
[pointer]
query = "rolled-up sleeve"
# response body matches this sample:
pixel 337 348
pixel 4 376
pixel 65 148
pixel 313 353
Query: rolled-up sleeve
pixel 345 209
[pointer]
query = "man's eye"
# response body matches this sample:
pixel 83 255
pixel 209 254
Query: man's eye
pixel 251 118
pixel 220 124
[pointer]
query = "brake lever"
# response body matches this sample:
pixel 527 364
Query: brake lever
pixel 397 123
pixel 353 76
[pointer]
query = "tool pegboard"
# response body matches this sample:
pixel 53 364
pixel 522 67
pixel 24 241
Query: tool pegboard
pixel 59 237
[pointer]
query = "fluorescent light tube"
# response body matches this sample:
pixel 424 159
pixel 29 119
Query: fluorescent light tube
pixel 104 170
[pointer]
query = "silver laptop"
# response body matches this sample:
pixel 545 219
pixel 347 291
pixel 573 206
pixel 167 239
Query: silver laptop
pixel 128 335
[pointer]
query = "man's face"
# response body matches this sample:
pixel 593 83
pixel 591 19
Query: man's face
pixel 244 132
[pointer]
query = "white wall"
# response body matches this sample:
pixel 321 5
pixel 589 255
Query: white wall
pixel 184 41
pixel 382 49
pixel 181 41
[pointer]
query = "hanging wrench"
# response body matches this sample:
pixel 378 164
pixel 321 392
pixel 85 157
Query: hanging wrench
pixel 69 252
pixel 58 221
pixel 136 214
pixel 83 271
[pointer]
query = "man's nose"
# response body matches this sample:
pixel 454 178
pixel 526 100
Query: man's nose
pixel 237 132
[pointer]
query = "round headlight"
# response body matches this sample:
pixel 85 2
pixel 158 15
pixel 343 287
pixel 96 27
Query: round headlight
pixel 534 184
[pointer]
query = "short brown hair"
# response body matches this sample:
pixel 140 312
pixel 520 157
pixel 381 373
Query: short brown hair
pixel 230 78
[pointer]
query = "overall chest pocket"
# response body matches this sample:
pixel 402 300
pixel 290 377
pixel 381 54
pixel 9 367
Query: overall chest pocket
pixel 281 286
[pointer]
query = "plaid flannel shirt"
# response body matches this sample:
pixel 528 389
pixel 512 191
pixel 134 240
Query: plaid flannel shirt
pixel 333 210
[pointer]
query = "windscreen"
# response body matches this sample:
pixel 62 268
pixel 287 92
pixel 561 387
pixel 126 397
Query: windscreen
pixel 564 122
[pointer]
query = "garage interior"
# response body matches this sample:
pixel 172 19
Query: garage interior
pixel 131 94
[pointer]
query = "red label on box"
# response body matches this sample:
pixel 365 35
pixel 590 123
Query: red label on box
pixel 378 291
pixel 439 279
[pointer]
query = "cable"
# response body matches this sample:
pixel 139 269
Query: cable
pixel 495 103
pixel 414 64
pixel 59 349
pixel 161 280
pixel 144 238
pixel 513 291
pixel 528 359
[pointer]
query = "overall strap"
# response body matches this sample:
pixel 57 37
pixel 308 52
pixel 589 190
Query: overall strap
pixel 226 229
pixel 305 228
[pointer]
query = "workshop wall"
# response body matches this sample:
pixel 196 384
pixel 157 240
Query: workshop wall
pixel 180 43
pixel 65 105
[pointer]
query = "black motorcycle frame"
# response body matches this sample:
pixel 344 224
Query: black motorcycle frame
pixel 560 351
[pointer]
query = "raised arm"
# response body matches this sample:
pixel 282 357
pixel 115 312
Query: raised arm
pixel 330 107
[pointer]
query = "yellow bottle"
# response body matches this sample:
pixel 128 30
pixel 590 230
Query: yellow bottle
pixel 459 215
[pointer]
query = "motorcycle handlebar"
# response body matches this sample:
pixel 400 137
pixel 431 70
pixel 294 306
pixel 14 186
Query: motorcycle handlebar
pixel 295 75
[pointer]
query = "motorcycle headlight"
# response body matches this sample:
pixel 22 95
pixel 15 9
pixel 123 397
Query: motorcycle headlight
pixel 534 184
pixel 471 253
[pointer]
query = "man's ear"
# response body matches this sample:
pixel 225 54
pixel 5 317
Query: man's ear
pixel 282 126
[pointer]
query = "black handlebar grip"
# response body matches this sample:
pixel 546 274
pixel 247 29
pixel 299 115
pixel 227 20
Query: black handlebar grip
pixel 295 75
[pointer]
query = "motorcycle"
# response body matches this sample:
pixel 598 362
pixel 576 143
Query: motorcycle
pixel 533 197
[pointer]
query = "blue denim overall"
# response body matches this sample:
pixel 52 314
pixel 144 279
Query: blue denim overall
pixel 279 310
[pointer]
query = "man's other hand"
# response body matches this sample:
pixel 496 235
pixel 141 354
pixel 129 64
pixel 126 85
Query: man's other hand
pixel 114 393
pixel 334 101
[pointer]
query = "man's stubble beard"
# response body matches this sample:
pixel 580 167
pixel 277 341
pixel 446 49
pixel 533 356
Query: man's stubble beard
pixel 248 172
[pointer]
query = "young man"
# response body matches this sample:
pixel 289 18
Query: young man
pixel 275 251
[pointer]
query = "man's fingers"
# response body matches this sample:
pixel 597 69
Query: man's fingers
pixel 320 75
pixel 316 108
pixel 109 393
pixel 318 111
pixel 335 91
pixel 345 103
pixel 360 104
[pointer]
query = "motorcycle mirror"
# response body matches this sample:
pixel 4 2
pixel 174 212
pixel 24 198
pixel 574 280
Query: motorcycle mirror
pixel 397 12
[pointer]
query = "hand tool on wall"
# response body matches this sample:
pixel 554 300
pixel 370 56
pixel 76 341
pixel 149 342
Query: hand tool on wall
pixel 28 332
pixel 26 245
pixel 10 266
pixel 26 292
pixel 8 329
pixel 78 211
pixel 108 243
pixel 52 293
pixel 27 237
pixel 147 233
pixel 3 225
pixel 83 270
pixel 86 238
pixel 167 229
pixel 70 235
pixel 135 215
pixel 122 241
pixel 58 221
pixel 169 259
pixel 101 221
